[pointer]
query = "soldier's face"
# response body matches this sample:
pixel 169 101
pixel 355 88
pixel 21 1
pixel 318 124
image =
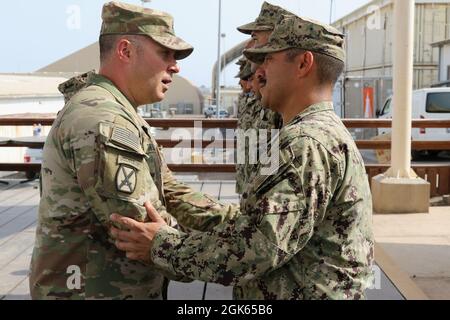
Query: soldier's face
pixel 152 72
pixel 259 79
pixel 260 38
pixel 244 85
pixel 256 86
pixel 280 82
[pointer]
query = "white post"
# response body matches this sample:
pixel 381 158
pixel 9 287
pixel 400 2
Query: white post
pixel 403 82
pixel 399 190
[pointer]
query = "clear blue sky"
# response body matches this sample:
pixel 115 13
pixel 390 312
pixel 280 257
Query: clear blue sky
pixel 37 33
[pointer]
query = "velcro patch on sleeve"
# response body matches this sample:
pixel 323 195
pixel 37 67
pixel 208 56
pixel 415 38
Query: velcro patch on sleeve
pixel 128 161
pixel 126 138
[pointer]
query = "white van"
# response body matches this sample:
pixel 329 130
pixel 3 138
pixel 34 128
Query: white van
pixel 428 103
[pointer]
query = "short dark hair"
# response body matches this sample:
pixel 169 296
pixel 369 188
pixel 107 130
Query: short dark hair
pixel 107 43
pixel 328 68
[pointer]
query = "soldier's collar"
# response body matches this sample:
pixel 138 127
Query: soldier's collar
pixel 108 85
pixel 318 107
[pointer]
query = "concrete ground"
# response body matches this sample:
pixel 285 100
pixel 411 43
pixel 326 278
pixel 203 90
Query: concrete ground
pixel 420 245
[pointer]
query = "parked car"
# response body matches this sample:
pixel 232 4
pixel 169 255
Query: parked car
pixel 222 114
pixel 428 103
pixel 211 111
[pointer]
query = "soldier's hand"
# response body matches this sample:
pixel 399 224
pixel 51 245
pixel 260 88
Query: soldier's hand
pixel 137 241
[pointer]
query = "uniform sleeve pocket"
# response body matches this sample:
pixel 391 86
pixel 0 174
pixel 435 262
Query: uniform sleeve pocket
pixel 120 164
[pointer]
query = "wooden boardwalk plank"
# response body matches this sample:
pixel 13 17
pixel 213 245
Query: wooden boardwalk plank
pixel 16 211
pixel 211 188
pixel 15 273
pixel 195 185
pixel 9 185
pixel 20 292
pixel 16 190
pixel 17 198
pixel 9 230
pixel 228 192
pixel 13 248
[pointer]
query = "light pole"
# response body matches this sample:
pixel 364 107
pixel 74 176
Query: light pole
pixel 223 35
pixel 218 59
pixel 331 11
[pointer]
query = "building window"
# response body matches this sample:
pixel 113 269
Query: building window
pixel 448 72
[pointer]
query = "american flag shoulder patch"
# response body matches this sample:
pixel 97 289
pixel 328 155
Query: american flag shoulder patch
pixel 126 138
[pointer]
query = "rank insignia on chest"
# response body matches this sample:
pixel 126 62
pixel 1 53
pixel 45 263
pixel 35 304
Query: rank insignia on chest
pixel 126 179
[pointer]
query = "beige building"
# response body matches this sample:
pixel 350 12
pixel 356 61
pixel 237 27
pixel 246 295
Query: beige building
pixel 183 97
pixel 229 97
pixel 444 61
pixel 369 32
pixel 30 96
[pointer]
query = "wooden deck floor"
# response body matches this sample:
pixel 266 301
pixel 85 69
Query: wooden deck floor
pixel 18 216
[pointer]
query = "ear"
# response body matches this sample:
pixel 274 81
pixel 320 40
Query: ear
pixel 305 63
pixel 124 50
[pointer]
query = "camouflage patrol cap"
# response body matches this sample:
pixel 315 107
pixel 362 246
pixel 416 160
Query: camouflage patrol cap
pixel 267 19
pixel 246 71
pixel 294 32
pixel 123 18
pixel 241 61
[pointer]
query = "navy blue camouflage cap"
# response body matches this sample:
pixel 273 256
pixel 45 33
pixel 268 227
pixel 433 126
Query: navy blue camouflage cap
pixel 301 33
pixel 267 19
pixel 246 71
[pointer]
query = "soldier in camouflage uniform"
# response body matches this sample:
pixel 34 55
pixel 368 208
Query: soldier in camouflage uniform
pixel 243 76
pixel 305 231
pixel 245 102
pixel 100 158
pixel 73 85
pixel 253 115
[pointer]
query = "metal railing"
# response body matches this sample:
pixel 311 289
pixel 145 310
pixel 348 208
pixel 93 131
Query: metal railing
pixel 437 175
pixel 232 123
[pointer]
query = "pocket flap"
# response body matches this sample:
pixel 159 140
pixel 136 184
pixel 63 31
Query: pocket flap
pixel 121 138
